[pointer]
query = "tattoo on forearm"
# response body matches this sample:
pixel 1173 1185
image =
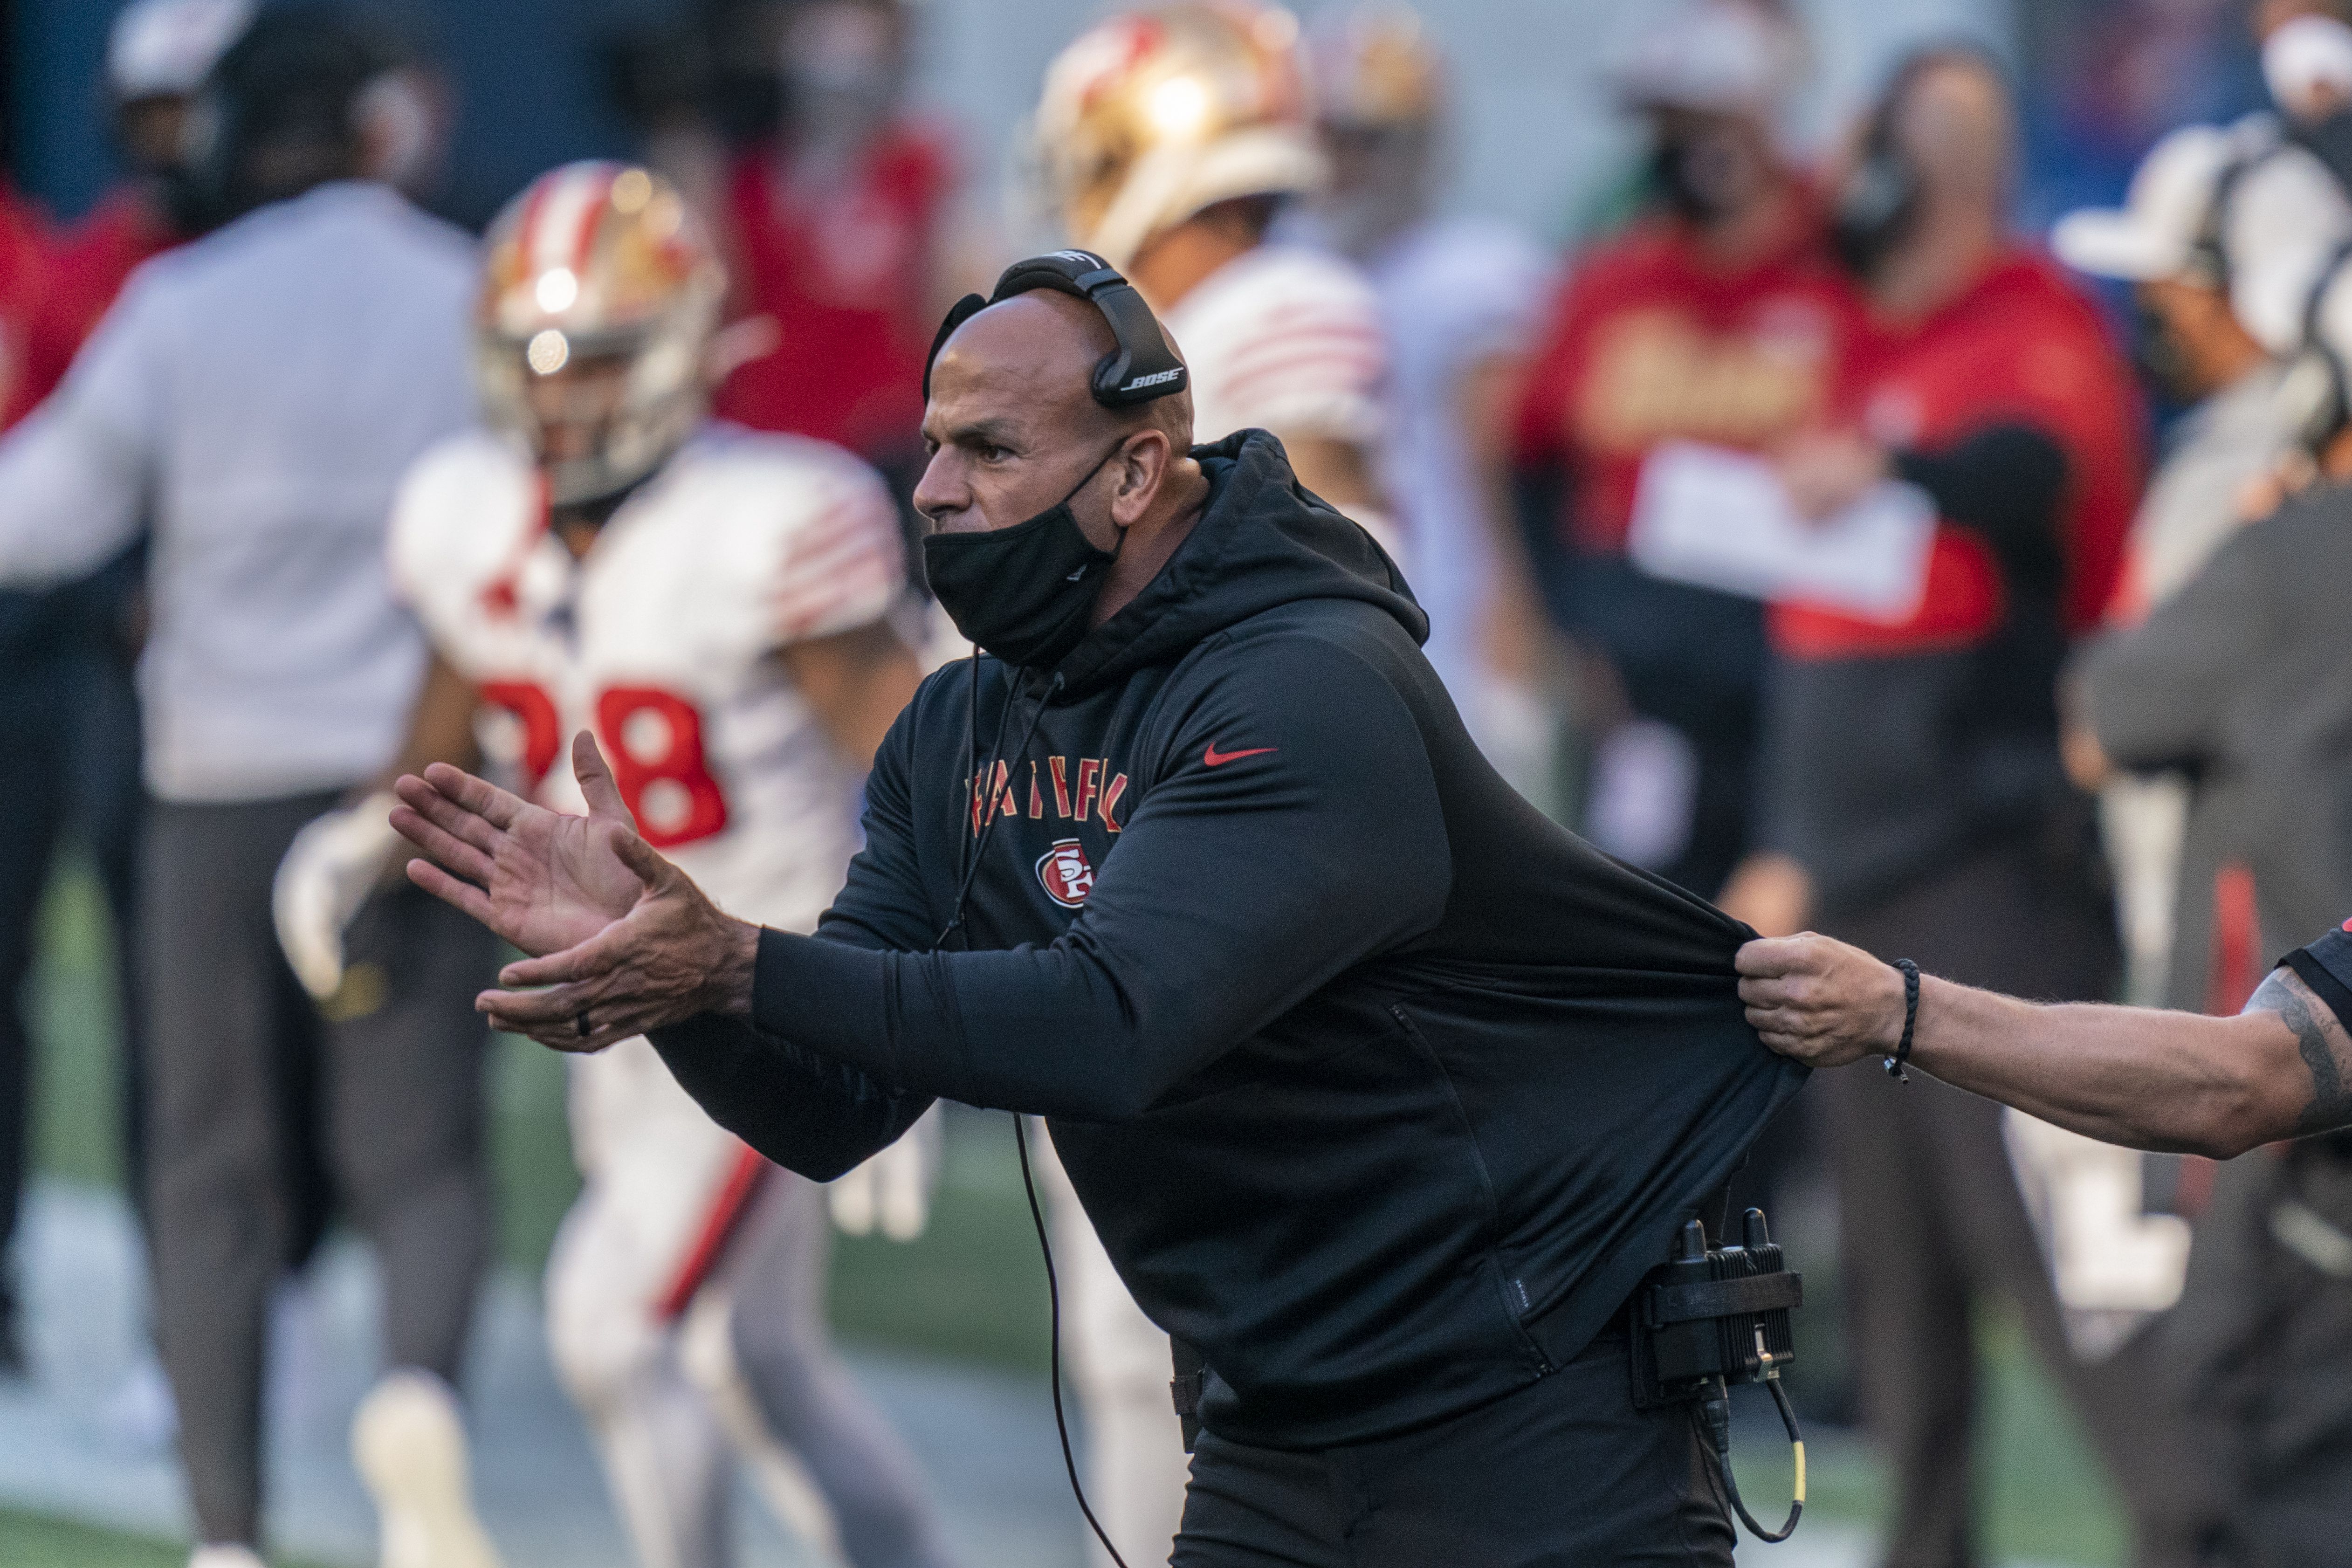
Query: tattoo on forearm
pixel 2331 1102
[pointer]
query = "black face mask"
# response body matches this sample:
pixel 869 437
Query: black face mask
pixel 2157 355
pixel 2330 142
pixel 1874 212
pixel 1695 178
pixel 1023 593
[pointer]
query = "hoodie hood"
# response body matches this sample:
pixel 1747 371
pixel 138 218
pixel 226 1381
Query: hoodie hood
pixel 1263 540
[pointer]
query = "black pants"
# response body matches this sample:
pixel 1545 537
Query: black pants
pixel 258 1101
pixel 1562 1474
pixel 1931 1221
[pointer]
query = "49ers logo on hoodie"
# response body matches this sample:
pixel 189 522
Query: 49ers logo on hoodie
pixel 1066 876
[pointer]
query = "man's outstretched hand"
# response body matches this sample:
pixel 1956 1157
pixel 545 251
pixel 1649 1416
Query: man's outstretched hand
pixel 623 941
pixel 1818 1000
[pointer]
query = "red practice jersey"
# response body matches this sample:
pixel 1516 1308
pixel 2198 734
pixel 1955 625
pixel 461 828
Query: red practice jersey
pixel 1648 342
pixel 55 287
pixel 847 283
pixel 2020 346
pixel 24 282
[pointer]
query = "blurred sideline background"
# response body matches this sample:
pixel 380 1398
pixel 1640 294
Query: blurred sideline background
pixel 1541 145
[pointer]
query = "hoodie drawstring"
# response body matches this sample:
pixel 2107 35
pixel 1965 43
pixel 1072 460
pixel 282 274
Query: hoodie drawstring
pixel 971 760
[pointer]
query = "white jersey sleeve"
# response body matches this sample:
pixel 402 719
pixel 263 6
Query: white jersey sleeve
pixel 1285 339
pixel 835 559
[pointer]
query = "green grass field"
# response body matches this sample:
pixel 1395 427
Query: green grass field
pixel 972 1289
pixel 37 1540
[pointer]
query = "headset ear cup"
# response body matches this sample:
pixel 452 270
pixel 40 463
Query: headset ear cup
pixel 1110 371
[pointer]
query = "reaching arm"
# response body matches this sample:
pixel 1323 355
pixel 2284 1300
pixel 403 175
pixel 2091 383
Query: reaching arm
pixel 546 882
pixel 808 1114
pixel 2140 1076
pixel 1236 889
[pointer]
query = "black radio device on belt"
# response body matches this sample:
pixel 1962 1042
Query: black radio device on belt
pixel 1710 1317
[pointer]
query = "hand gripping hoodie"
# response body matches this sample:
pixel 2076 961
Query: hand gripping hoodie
pixel 1380 1089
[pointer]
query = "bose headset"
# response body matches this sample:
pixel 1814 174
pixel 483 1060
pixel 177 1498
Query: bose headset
pixel 1140 368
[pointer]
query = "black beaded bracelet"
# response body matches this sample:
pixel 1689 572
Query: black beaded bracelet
pixel 1910 1020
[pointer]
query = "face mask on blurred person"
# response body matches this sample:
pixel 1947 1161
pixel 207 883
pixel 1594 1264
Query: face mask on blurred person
pixel 1023 594
pixel 2330 141
pixel 2159 356
pixel 1875 210
pixel 402 137
pixel 841 78
pixel 1379 185
pixel 1704 176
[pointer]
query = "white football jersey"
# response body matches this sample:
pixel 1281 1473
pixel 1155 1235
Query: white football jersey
pixel 1283 338
pixel 662 641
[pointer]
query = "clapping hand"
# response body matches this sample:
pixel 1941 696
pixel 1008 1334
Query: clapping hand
pixel 622 941
pixel 544 880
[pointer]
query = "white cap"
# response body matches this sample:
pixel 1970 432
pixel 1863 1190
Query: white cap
pixel 1729 56
pixel 2307 66
pixel 165 49
pixel 2153 235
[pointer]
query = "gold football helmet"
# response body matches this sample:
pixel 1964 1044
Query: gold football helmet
pixel 1151 117
pixel 600 297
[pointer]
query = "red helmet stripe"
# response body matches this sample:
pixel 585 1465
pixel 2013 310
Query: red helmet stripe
pixel 562 220
pixel 599 181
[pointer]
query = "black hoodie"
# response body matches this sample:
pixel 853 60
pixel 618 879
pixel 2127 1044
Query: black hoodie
pixel 1380 1089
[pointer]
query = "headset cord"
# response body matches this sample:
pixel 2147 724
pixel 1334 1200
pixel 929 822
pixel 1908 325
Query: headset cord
pixel 984 801
pixel 1713 1417
pixel 1053 1301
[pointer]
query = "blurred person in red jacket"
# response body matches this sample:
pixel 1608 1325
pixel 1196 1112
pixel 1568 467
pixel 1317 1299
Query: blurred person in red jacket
pixel 25 246
pixel 1718 317
pixel 1913 802
pixel 834 225
pixel 67 702
pixel 157 55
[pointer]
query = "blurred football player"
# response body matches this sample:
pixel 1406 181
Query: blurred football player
pixel 1170 139
pixel 1460 300
pixel 716 605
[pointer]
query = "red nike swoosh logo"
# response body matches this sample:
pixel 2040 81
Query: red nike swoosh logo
pixel 1217 759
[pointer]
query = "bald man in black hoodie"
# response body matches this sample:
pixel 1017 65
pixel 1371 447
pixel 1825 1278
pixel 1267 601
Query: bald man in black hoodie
pixel 1380 1089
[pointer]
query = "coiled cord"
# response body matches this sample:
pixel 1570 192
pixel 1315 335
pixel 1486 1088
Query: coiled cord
pixel 1712 1416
